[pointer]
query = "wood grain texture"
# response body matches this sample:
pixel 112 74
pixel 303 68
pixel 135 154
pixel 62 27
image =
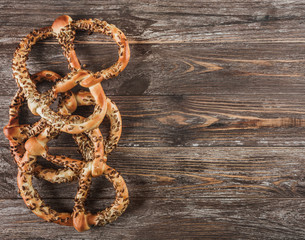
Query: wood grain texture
pixel 170 219
pixel 193 121
pixel 190 172
pixel 180 69
pixel 212 103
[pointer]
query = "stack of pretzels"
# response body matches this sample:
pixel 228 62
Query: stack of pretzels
pixel 28 142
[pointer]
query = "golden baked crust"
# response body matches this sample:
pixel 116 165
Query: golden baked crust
pixel 27 142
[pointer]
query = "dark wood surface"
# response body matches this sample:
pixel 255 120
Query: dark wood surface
pixel 213 109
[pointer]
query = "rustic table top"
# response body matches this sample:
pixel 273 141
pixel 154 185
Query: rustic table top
pixel 212 103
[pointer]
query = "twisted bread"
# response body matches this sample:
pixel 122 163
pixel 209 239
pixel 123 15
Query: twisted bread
pixel 29 141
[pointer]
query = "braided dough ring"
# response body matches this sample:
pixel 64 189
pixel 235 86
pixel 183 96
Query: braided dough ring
pixel 39 105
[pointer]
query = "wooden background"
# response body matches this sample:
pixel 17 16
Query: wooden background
pixel 213 118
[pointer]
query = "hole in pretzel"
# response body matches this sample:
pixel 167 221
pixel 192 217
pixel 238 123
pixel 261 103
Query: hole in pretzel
pixel 54 105
pixel 101 194
pixel 44 86
pixel 96 51
pixel 26 116
pixel 84 111
pixel 46 164
pixel 64 145
pixel 47 55
pixel 105 127
pixel 58 196
pixel 63 194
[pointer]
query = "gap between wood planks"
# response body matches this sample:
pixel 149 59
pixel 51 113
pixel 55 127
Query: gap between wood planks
pixel 197 41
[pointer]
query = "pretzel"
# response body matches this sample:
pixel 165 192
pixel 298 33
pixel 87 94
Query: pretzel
pixel 29 141
pixel 19 133
pixel 67 105
pixel 13 131
pixel 81 219
pixel 63 29
pixel 39 208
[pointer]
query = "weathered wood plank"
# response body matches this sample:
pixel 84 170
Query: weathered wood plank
pixel 184 172
pixel 171 21
pixel 191 121
pixel 212 105
pixel 179 69
pixel 169 219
